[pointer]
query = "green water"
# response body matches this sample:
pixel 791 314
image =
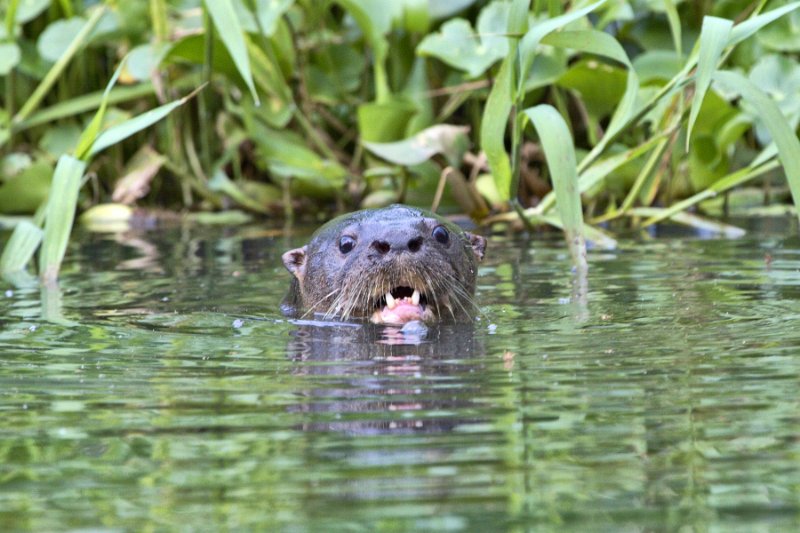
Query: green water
pixel 167 393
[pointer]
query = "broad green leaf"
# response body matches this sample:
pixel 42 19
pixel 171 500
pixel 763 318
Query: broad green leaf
pixel 383 122
pixel 27 10
pixel 145 59
pixel 287 156
pixel 783 135
pixel 9 57
pixel 713 36
pixel 232 35
pixel 55 39
pixel 441 139
pixel 558 149
pixel 440 9
pixel 459 46
pixel 60 139
pixel 25 192
pixel 779 77
pixel 120 132
pixel 20 247
pixel 493 127
pixel 59 215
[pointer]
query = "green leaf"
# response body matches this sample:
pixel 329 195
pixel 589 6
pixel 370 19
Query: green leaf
pixel 9 57
pixel 530 42
pixel 232 35
pixel 59 215
pixel 20 247
pixel 375 20
pixel 91 131
pixel 558 149
pixel 27 10
pixel 382 122
pixel 441 139
pixel 55 39
pixel 120 132
pixel 783 135
pixel 269 12
pixel 493 127
pixel 459 46
pixel 747 28
pixel 25 192
pixel 713 36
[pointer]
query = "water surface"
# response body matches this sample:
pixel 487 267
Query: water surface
pixel 165 392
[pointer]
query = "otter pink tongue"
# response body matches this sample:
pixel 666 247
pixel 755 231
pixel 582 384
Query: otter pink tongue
pixel 404 311
pixel 399 310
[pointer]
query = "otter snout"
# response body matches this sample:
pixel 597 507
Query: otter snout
pixel 383 247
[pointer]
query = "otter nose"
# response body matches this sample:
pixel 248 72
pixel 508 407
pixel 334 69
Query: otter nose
pixel 384 247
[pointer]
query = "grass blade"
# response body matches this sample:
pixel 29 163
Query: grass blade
pixel 20 247
pixel 91 131
pixel 558 150
pixel 232 34
pixel 58 68
pixel 602 44
pixel 782 133
pixel 60 213
pixel 713 36
pixel 747 28
pixel 122 131
pixel 493 127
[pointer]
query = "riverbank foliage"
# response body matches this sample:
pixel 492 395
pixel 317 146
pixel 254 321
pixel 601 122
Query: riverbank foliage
pixel 640 110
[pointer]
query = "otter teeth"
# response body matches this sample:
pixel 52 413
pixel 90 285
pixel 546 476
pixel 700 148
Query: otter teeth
pixel 415 297
pixel 391 303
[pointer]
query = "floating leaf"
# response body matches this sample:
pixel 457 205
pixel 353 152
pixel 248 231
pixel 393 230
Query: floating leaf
pixel 441 139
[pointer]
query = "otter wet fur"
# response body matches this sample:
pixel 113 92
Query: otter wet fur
pixel 390 265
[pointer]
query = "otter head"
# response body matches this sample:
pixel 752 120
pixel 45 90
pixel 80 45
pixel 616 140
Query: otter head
pixel 390 265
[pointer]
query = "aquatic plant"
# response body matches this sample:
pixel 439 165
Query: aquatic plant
pixel 641 111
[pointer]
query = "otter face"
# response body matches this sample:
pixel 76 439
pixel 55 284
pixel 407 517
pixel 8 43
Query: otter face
pixel 390 265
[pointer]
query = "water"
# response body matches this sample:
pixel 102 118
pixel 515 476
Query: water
pixel 166 392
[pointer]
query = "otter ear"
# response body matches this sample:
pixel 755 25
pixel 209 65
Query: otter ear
pixel 295 262
pixel 478 244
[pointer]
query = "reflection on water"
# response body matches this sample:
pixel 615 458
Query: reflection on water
pixel 169 393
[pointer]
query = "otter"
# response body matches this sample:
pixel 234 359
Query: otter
pixel 391 265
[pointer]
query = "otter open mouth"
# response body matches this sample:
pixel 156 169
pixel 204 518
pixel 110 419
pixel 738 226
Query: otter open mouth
pixel 400 305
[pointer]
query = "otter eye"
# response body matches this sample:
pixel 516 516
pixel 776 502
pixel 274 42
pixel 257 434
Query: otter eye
pixel 346 244
pixel 441 234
